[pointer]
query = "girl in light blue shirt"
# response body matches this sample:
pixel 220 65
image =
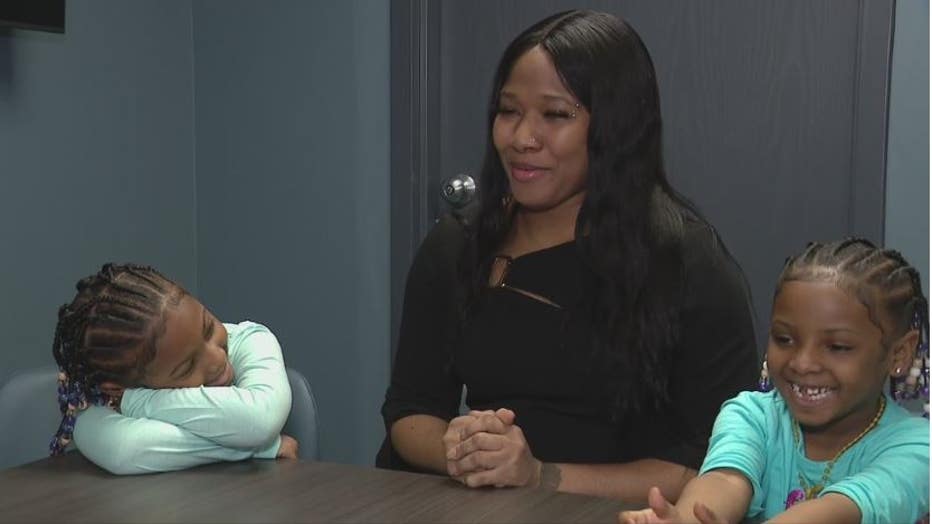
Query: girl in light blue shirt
pixel 151 381
pixel 828 444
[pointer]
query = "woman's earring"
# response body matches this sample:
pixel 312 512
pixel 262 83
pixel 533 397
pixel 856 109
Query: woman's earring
pixel 764 384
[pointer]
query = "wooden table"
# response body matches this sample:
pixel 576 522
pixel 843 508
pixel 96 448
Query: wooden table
pixel 71 489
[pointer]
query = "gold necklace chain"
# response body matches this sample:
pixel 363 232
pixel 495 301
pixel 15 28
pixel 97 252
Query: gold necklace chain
pixel 813 491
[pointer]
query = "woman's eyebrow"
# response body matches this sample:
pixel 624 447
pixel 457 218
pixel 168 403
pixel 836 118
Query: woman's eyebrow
pixel 550 97
pixel 558 98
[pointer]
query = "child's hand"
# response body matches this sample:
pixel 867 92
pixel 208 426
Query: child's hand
pixel 288 449
pixel 661 511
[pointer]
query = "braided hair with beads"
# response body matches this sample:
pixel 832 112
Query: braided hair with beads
pixel 886 284
pixel 107 333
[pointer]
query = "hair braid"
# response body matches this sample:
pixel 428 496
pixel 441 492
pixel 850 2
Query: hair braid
pixel 887 285
pixel 107 332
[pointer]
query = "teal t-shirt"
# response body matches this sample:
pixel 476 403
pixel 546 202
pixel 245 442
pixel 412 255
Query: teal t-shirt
pixel 886 473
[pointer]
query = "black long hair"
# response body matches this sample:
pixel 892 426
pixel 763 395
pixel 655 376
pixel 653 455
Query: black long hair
pixel 629 227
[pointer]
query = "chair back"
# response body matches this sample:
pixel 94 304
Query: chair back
pixel 29 415
pixel 302 421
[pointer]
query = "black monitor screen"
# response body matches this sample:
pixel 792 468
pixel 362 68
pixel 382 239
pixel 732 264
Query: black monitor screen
pixel 47 15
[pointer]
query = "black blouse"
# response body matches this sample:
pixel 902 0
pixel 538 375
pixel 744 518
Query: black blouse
pixel 529 356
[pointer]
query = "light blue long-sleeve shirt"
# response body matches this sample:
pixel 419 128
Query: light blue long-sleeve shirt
pixel 170 429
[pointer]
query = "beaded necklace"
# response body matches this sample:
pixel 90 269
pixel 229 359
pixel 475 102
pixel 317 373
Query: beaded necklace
pixel 807 492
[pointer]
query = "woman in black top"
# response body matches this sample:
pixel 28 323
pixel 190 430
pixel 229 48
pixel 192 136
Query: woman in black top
pixel 594 317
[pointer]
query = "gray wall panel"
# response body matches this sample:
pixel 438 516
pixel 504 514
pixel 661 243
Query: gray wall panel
pixel 96 159
pixel 292 173
pixel 907 211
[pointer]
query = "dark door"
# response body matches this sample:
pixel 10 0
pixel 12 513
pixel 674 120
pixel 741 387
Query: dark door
pixel 774 114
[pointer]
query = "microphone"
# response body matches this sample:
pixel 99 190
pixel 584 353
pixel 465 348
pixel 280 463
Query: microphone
pixel 459 191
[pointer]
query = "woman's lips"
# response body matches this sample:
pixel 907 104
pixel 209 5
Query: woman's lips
pixel 526 172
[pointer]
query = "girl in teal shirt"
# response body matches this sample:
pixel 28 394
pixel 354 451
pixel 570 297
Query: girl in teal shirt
pixel 151 381
pixel 828 445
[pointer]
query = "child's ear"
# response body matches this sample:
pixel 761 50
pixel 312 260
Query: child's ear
pixel 904 351
pixel 112 389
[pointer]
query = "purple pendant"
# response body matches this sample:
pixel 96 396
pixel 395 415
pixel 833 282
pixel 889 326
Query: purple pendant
pixel 795 497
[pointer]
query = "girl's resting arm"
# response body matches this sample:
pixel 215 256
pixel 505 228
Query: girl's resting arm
pixel 827 509
pixel 247 415
pixel 894 486
pixel 738 447
pixel 130 446
pixel 724 491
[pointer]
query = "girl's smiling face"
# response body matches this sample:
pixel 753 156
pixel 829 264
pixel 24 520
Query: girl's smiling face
pixel 192 349
pixel 827 358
